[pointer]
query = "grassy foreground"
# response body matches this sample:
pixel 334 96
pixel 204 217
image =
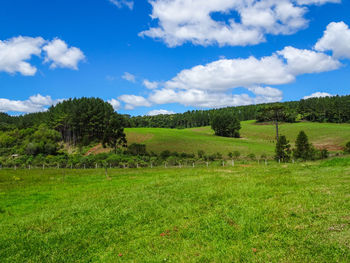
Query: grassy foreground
pixel 246 213
pixel 256 138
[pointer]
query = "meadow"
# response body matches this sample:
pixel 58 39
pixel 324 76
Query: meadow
pixel 256 138
pixel 246 213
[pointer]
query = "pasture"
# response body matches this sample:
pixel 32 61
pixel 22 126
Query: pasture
pixel 256 138
pixel 247 213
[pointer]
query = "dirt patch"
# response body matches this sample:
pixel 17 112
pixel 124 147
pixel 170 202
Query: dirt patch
pixel 97 149
pixel 245 165
pixel 134 137
pixel 223 171
pixel 328 146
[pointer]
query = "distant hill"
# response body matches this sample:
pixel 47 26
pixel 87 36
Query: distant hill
pixel 256 138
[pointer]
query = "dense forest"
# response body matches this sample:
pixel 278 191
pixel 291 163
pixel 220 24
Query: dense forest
pixel 330 109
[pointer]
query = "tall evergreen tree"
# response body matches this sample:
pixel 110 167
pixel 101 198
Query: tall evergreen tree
pixel 114 135
pixel 303 149
pixel 283 151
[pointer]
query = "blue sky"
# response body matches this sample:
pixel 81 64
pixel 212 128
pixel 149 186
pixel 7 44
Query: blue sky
pixel 191 55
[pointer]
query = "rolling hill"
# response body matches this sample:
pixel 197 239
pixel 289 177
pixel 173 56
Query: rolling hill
pixel 255 138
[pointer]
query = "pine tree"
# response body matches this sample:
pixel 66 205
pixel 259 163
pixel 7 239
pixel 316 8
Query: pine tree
pixel 283 151
pixel 303 149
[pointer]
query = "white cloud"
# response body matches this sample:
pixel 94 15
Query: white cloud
pixel 302 61
pixel 336 38
pixel 58 52
pixel 150 85
pixel 133 101
pixel 181 21
pixel 122 3
pixel 211 99
pixel 316 2
pixel 159 112
pixel 318 95
pixel 129 77
pixel 232 73
pixel 35 103
pixel 15 52
pixel 115 104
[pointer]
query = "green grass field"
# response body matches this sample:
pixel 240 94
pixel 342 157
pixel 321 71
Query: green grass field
pixel 247 213
pixel 257 139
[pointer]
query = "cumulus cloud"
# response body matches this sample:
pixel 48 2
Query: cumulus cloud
pixel 302 61
pixel 115 104
pixel 159 112
pixel 336 38
pixel 318 95
pixel 316 2
pixel 35 103
pixel 232 73
pixel 15 52
pixel 150 85
pixel 181 21
pixel 212 85
pixel 122 3
pixel 129 77
pixel 133 101
pixel 60 55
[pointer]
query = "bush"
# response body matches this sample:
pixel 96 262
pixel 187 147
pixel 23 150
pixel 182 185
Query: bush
pixel 137 149
pixel 165 154
pixel 347 148
pixel 251 156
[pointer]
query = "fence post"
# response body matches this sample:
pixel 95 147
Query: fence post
pixel 207 164
pixel 137 165
pixel 265 162
pixel 43 166
pixel 151 165
pixel 96 166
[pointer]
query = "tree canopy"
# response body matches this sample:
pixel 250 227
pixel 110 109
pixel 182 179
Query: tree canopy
pixel 226 124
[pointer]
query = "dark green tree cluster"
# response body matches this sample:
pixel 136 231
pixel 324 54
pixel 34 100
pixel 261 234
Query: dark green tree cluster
pixel 226 124
pixel 86 120
pixel 304 150
pixel 330 109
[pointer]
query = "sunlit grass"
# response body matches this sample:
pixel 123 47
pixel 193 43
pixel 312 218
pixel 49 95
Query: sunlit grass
pixel 247 213
pixel 257 139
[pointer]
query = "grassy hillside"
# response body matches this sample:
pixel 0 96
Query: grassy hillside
pixel 256 138
pixel 249 213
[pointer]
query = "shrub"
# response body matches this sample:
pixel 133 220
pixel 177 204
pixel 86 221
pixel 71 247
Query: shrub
pixel 347 148
pixel 251 156
pixel 201 154
pixel 165 154
pixel 137 149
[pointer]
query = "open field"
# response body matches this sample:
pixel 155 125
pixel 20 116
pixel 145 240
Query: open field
pixel 257 139
pixel 247 213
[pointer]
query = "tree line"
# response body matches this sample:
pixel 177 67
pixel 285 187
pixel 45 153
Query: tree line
pixel 329 109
